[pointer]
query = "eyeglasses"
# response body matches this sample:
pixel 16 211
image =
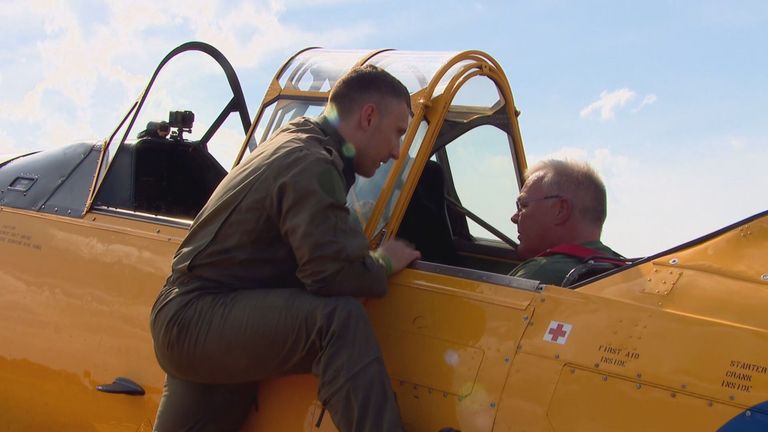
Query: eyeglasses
pixel 522 205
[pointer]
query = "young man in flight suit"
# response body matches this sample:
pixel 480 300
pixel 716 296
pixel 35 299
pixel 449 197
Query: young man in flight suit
pixel 560 214
pixel 265 282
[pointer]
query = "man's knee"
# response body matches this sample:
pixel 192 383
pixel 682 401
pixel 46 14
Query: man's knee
pixel 347 316
pixel 345 324
pixel 348 310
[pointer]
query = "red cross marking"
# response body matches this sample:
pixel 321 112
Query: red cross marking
pixel 557 332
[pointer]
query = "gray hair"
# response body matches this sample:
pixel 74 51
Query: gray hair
pixel 575 180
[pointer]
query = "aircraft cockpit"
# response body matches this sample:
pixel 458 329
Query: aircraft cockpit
pixel 160 171
pixel 453 189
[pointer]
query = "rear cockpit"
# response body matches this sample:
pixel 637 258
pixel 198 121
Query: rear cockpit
pixel 167 176
pixel 153 174
pixel 162 172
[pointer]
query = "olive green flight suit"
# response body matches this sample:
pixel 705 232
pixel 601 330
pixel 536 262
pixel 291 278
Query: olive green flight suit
pixel 264 285
pixel 553 269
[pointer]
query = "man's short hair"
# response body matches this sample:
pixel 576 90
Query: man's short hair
pixel 577 181
pixel 362 84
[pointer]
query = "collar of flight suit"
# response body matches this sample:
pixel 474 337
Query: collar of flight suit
pixel 341 147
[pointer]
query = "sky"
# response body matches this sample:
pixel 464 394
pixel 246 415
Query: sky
pixel 668 100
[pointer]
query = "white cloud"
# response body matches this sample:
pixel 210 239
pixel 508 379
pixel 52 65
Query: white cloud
pixel 69 65
pixel 611 102
pixel 269 37
pixel 737 143
pixel 603 160
pixel 562 153
pixel 608 103
pixel 649 99
pixel 76 53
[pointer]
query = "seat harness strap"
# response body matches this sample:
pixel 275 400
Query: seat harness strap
pixel 582 252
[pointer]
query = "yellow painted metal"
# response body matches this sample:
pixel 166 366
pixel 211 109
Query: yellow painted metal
pixel 102 156
pixel 456 323
pixel 628 405
pixel 75 302
pixel 627 365
pixel 662 280
pixel 460 352
pixel 632 361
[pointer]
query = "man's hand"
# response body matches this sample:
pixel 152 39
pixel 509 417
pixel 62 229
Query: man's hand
pixel 399 253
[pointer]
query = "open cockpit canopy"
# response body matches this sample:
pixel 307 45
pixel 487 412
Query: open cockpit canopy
pixel 179 138
pixel 462 105
pixel 464 127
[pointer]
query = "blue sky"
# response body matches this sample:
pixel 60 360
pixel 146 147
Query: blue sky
pixel 667 99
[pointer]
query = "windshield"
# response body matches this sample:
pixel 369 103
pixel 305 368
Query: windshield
pixel 413 69
pixel 178 140
pixel 318 70
pixel 205 85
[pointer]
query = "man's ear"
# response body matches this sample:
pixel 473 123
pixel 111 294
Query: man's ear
pixel 564 211
pixel 367 114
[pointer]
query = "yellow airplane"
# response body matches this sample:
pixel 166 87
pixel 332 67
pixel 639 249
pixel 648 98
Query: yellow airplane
pixel 675 341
